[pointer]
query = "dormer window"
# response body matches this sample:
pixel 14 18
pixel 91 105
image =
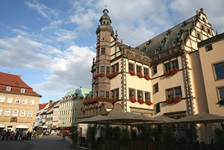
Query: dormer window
pixel 8 88
pixel 22 90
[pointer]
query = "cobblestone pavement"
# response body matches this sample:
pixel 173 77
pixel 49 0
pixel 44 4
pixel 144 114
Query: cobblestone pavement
pixel 50 142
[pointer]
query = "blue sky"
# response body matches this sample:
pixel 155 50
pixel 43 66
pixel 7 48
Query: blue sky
pixel 52 43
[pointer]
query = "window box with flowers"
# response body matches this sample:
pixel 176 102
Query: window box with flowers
pixel 166 73
pixel 148 103
pixel 139 75
pixel 132 73
pixel 174 71
pixel 112 75
pixel 133 100
pixel 101 75
pixel 95 76
pixel 114 100
pixel 169 101
pixel 90 101
pixel 147 77
pixel 141 101
pixel 177 99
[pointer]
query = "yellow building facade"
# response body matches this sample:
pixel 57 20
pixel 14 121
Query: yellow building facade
pixel 18 103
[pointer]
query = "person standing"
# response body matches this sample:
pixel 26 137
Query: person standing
pixel 79 136
pixel 63 135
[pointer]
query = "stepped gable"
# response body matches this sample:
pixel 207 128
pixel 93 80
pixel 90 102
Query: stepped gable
pixel 169 39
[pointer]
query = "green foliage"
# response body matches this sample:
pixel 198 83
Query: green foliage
pixel 91 131
pixel 108 133
pixel 39 131
pixel 116 133
pixel 219 138
pixel 124 136
pixel 168 137
pixel 147 133
pixel 191 134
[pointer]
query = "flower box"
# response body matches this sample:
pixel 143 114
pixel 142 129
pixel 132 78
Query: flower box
pixel 169 101
pixel 139 75
pixel 133 100
pixel 149 103
pixel 95 76
pixel 167 73
pixel 114 100
pixel 112 75
pixel 174 71
pixel 147 77
pixel 90 101
pixel 132 73
pixel 101 75
pixel 141 101
pixel 177 99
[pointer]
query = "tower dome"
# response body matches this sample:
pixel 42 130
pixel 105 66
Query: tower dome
pixel 105 19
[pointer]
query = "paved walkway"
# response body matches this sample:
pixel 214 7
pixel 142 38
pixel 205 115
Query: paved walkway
pixel 43 143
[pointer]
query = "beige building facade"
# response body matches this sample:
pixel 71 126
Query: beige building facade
pixel 18 103
pixel 162 76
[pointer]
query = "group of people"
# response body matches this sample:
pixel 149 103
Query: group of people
pixel 15 135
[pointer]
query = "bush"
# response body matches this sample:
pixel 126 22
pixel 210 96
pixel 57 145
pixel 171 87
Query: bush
pixel 219 138
pixel 124 137
pixel 91 131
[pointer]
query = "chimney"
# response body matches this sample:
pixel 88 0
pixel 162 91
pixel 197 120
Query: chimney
pixel 51 102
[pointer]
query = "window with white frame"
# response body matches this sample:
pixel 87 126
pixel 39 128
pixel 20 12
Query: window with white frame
pixel 7 112
pixel 9 100
pixel 131 93
pixel 22 90
pixel 30 114
pixel 140 94
pixel 2 99
pixel 146 72
pixel 173 92
pixel 25 100
pixel 147 96
pixel 15 112
pixel 32 102
pixel 101 93
pixel 131 67
pixel 17 101
pixel 8 88
pixel 22 113
pixel 0 111
pixel 139 69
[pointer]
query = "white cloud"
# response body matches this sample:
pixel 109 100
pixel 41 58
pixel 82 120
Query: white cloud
pixel 54 49
pixel 21 52
pixel 42 9
pixel 69 71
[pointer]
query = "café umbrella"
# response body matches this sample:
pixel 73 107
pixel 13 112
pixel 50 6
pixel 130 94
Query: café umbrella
pixel 201 118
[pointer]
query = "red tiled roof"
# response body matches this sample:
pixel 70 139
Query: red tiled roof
pixel 42 106
pixel 16 83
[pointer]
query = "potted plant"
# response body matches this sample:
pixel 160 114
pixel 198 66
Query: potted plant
pixel 168 137
pixel 124 139
pixel 40 132
pixel 91 131
pixel 219 138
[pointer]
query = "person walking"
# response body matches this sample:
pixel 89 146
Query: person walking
pixel 79 136
pixel 63 136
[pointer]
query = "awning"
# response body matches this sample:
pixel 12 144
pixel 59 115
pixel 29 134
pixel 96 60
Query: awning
pixel 43 126
pixel 22 126
pixel 2 125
